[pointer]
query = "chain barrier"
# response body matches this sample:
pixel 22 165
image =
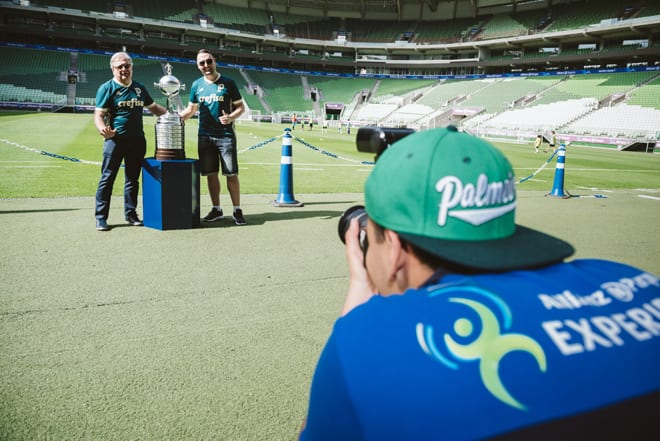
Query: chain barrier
pixel 45 153
pixel 520 181
pixel 330 154
pixel 261 144
pixel 253 147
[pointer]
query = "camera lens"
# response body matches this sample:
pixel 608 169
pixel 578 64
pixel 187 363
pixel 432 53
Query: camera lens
pixel 356 211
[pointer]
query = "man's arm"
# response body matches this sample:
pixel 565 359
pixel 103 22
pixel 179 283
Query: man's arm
pixel 157 109
pixel 104 129
pixel 188 111
pixel 239 109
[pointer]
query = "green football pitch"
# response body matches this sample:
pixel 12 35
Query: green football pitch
pixel 214 332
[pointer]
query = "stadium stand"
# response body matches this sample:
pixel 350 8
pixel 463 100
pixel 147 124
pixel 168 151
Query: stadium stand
pixel 283 92
pixel 620 120
pixel 446 31
pixel 399 87
pixel 449 93
pixel 576 102
pixel 501 94
pixel 175 10
pixel 340 90
pixel 502 26
pixel 27 81
pixel 582 14
pixel 245 20
pixel 647 95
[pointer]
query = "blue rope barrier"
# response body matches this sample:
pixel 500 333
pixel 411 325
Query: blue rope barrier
pixel 55 155
pixel 520 181
pixel 260 144
pixel 50 154
pixel 330 154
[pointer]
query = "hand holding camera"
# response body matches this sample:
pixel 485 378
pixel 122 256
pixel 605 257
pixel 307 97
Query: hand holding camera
pixel 369 140
pixel 360 288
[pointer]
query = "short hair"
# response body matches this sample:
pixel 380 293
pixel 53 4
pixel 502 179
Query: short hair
pixel 120 55
pixel 205 51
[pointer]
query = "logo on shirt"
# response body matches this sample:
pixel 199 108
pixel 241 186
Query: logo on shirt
pixel 479 336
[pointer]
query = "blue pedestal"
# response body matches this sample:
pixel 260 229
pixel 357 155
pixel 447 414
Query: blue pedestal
pixel 170 193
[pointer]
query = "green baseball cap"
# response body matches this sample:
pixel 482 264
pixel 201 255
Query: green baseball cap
pixel 454 196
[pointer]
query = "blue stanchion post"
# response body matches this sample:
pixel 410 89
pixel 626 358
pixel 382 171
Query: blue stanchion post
pixel 558 184
pixel 285 197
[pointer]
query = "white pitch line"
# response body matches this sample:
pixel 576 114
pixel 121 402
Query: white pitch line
pixel 295 164
pixel 594 189
pixel 655 198
pixel 29 166
pixel 605 170
pixel 609 170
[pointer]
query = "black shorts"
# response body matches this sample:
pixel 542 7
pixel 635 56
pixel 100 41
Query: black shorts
pixel 215 153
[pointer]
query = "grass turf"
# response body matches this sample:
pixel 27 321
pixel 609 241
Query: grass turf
pixel 213 333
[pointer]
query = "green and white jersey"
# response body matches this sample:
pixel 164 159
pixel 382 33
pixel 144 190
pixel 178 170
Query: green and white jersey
pixel 213 98
pixel 124 106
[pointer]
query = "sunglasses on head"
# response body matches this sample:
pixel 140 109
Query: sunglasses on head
pixel 207 62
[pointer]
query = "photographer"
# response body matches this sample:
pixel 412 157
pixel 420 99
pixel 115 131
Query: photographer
pixel 461 325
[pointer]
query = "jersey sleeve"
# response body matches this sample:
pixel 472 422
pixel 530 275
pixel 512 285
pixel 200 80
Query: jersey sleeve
pixel 102 97
pixel 192 98
pixel 234 93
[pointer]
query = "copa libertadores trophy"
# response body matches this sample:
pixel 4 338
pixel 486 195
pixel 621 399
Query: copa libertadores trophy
pixel 170 126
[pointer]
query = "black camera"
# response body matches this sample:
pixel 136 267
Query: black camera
pixel 355 212
pixel 376 140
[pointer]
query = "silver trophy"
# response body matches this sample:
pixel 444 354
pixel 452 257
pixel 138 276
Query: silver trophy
pixel 170 127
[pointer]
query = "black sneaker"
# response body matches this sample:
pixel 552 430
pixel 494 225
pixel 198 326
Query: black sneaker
pixel 133 219
pixel 102 225
pixel 238 217
pixel 213 215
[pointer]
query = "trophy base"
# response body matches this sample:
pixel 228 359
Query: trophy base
pixel 170 154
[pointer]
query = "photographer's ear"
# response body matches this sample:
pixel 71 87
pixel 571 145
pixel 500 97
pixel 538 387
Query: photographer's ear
pixel 397 255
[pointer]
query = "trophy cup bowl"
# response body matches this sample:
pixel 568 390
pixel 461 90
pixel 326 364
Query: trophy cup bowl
pixel 169 128
pixel 169 85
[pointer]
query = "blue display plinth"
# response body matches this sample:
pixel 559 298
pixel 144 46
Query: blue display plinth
pixel 170 193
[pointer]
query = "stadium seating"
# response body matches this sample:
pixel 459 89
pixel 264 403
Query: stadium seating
pixel 400 87
pixel 542 117
pixel 578 104
pixel 443 94
pixel 243 19
pixel 283 92
pixel 257 21
pixel 28 81
pixel 446 32
pixel 620 120
pixel 175 10
pixel 502 26
pixel 499 95
pixel 581 15
pixel 340 90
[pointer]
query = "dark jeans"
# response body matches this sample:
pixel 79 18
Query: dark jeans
pixel 131 151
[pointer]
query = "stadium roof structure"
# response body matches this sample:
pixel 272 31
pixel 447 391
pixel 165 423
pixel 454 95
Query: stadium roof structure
pixel 392 9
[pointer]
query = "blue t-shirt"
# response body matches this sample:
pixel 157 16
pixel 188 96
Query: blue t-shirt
pixel 213 99
pixel 474 357
pixel 124 105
